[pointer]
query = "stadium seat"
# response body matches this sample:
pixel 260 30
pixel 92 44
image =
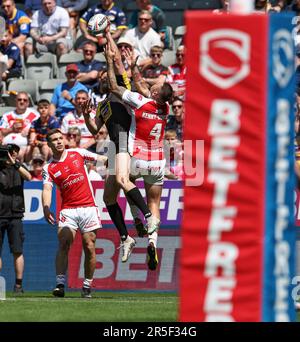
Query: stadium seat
pixel 47 87
pixel 30 86
pixel 205 4
pixel 68 58
pixel 41 67
pixel 129 7
pixel 5 110
pixel 174 11
pixel 168 58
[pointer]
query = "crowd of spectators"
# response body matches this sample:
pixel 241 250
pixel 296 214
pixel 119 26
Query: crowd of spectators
pixel 60 26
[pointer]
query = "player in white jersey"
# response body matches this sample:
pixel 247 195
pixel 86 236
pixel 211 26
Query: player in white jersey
pixel 146 143
pixel 79 210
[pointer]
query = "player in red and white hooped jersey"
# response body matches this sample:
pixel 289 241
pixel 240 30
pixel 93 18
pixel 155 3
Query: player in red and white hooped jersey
pixel 146 134
pixel 22 113
pixel 79 211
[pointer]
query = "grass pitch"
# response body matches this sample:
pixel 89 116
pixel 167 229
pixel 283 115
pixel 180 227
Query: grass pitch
pixel 103 307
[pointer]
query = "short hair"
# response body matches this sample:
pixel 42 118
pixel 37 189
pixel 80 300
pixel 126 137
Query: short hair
pixel 145 12
pixel 82 91
pixel 51 132
pixel 74 130
pixel 90 43
pixel 43 102
pixel 22 92
pixel 170 132
pixel 177 98
pixel 166 92
pixel 156 48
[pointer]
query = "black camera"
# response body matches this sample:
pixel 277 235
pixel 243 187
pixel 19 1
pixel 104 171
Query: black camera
pixel 4 153
pixel 4 149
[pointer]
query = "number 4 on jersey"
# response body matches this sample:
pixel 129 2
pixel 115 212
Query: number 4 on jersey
pixel 156 131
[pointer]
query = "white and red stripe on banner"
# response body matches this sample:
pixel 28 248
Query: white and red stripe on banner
pixel 222 236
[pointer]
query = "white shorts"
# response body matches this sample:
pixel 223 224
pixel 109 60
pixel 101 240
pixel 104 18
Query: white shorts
pixel 152 171
pixel 86 219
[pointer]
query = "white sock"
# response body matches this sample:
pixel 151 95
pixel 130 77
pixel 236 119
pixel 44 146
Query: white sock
pixel 87 282
pixel 153 238
pixel 60 279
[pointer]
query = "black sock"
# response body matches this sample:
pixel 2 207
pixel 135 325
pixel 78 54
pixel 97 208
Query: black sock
pixel 135 196
pixel 116 216
pixel 19 282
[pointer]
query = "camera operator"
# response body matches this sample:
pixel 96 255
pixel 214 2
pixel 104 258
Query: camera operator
pixel 12 176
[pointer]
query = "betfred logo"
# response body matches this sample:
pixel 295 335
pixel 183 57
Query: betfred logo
pixel 225 57
pixel 283 57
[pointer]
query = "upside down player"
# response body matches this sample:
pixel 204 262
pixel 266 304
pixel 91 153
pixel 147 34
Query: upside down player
pixel 146 142
pixel 115 116
pixel 79 211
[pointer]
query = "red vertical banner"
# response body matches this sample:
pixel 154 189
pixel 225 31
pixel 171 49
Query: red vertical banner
pixel 222 235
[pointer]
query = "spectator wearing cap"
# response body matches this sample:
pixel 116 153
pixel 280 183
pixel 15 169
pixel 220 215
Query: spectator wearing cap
pixel 49 30
pixel 38 162
pixel 89 67
pixel 155 72
pixel 143 37
pixel 116 17
pixel 124 44
pixel 62 101
pixel 13 53
pixel 37 143
pixel 17 22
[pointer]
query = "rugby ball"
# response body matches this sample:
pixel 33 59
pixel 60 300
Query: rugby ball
pixel 97 24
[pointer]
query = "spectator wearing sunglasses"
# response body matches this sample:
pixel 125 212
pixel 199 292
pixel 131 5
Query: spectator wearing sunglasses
pixel 144 37
pixel 73 137
pixel 22 112
pixel 155 72
pixel 89 67
pixel 177 73
pixel 38 162
pixel 175 122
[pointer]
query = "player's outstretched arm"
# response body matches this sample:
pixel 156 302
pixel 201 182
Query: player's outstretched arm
pixel 118 64
pixel 93 125
pixel 114 88
pixel 140 83
pixel 46 201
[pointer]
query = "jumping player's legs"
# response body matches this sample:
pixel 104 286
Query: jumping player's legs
pixel 111 191
pixel 153 193
pixel 132 192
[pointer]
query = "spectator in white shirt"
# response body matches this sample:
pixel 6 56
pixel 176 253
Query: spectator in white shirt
pixel 143 37
pixel 49 30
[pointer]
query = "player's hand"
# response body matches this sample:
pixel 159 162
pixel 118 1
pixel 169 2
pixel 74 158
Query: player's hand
pixel 49 216
pixel 86 107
